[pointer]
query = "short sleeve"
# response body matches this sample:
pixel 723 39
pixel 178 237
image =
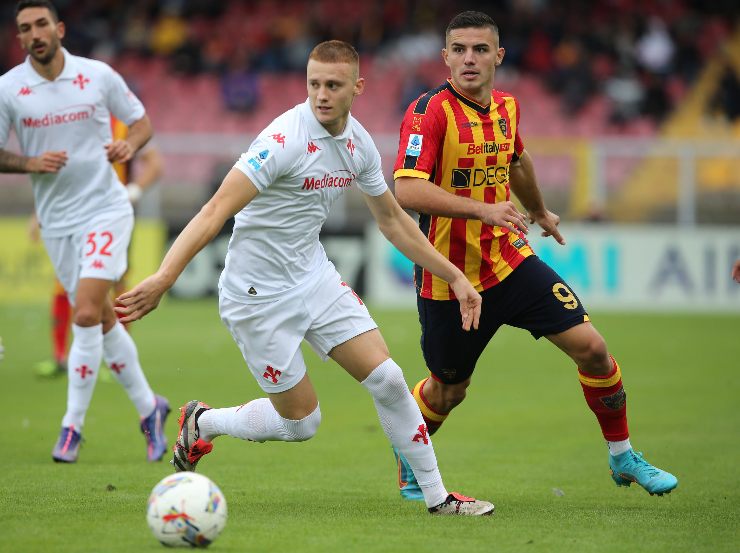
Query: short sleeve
pixel 371 180
pixel 121 102
pixel 6 120
pixel 269 157
pixel 420 139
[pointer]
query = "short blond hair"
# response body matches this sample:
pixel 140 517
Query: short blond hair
pixel 335 51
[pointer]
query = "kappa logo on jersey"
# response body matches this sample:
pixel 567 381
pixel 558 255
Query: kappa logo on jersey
pixel 351 147
pixel 258 161
pixel 24 91
pixel 421 435
pixel 330 180
pixel 72 114
pixel 413 148
pixel 272 374
pixel 312 148
pixel 97 264
pixel 468 124
pixel 81 81
pixel 503 125
pixel 279 138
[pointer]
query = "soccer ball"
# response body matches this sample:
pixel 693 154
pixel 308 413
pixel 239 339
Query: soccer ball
pixel 186 510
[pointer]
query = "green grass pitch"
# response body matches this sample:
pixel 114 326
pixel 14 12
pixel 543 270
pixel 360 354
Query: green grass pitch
pixel 523 439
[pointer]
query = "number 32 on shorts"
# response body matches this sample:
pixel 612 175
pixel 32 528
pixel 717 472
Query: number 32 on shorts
pixel 563 294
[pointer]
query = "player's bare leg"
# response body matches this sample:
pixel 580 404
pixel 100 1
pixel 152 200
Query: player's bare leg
pixel 601 380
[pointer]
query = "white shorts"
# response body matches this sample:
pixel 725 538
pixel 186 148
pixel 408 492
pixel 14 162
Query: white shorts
pixel 269 330
pixel 98 251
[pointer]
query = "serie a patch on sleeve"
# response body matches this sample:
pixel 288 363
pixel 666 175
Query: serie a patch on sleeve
pixel 258 161
pixel 413 148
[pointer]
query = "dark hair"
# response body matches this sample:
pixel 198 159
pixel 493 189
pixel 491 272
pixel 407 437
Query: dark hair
pixel 469 19
pixel 334 51
pixel 23 4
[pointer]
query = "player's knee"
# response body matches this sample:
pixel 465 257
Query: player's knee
pixel 593 357
pixel 87 315
pixel 450 395
pixel 303 429
pixel 386 383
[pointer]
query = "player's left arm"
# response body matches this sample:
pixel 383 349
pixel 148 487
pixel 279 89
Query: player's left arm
pixel 149 166
pixel 401 230
pixel 523 183
pixel 139 133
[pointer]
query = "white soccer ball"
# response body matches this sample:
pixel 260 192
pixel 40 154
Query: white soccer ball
pixel 186 510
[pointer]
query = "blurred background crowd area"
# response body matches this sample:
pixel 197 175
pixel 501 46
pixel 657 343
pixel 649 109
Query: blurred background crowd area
pixel 213 74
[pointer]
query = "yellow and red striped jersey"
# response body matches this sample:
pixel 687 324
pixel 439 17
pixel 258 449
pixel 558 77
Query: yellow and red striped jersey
pixel 466 149
pixel 120 132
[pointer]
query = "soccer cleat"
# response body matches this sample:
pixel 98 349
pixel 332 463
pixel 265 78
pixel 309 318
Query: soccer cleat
pixel 189 448
pixel 457 504
pixel 153 429
pixel 407 484
pixel 67 447
pixel 630 467
pixel 50 368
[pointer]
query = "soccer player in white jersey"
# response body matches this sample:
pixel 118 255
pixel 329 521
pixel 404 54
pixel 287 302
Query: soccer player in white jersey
pixel 60 107
pixel 278 287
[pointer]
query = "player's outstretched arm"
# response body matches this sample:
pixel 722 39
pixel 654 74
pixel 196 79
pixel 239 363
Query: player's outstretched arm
pixel 235 192
pixel 402 232
pixel 523 183
pixel 736 271
pixel 424 197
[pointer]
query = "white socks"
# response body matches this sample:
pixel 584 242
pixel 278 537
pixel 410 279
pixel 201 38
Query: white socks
pixel 257 421
pixel 615 448
pixel 121 356
pixel 403 424
pixel 83 362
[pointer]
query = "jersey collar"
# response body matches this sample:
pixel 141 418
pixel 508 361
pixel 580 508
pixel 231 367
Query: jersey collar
pixel 69 71
pixel 466 100
pixel 316 130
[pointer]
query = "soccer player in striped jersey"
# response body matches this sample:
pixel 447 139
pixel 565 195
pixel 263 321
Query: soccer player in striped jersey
pixel 460 154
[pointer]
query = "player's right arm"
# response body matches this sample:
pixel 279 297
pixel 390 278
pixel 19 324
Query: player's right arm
pixel 48 162
pixel 425 197
pixel 235 192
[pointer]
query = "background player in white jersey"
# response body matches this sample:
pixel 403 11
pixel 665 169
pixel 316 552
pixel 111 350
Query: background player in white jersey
pixel 60 107
pixel 278 287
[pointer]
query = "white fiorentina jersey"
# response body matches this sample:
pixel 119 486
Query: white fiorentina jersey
pixel 299 169
pixel 71 113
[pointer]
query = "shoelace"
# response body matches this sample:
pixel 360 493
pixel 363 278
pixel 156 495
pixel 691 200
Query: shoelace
pixel 642 465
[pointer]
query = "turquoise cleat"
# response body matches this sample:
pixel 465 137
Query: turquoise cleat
pixel 630 467
pixel 407 484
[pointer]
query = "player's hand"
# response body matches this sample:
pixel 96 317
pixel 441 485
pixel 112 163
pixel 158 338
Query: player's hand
pixel 119 151
pixel 470 302
pixel 506 215
pixel 142 299
pixel 736 271
pixel 48 162
pixel 549 222
pixel 34 228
